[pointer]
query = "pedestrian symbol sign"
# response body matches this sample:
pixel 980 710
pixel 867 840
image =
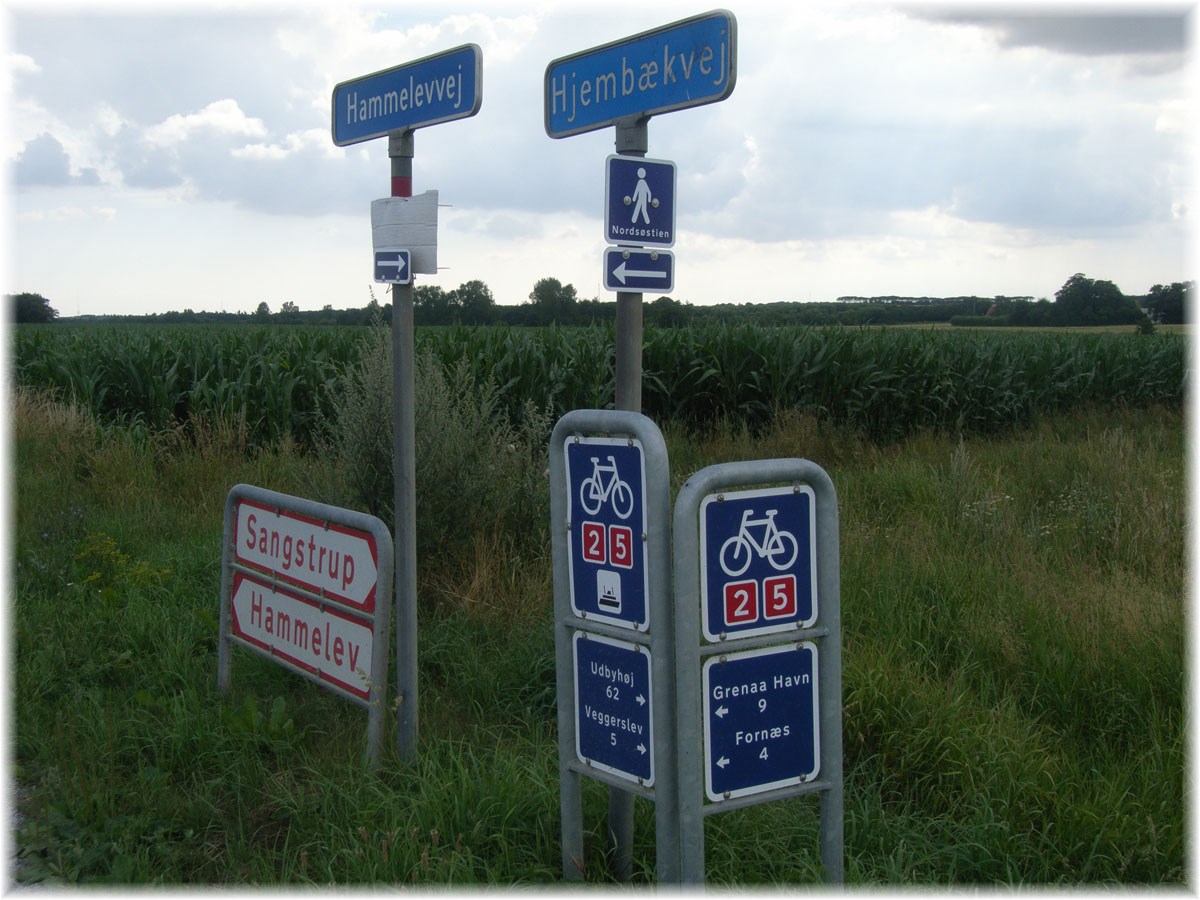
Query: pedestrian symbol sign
pixel 606 513
pixel 757 562
pixel 639 201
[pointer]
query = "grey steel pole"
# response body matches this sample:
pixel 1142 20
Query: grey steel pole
pixel 631 140
pixel 400 151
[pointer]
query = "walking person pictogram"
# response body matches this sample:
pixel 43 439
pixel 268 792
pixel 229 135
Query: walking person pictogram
pixel 641 197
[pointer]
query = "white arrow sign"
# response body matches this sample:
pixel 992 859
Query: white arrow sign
pixel 324 642
pixel 622 271
pixel 723 761
pixel 324 557
pixel 722 712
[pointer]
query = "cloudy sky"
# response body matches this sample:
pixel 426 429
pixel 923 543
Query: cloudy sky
pixel 171 157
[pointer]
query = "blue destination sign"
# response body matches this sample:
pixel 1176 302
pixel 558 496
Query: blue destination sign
pixel 760 720
pixel 606 508
pixel 758 572
pixel 613 729
pixel 435 89
pixel 688 63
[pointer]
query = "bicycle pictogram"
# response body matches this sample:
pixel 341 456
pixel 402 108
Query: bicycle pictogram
pixel 759 538
pixel 605 485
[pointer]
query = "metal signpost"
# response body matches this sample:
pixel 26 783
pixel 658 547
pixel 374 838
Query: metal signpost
pixel 687 63
pixel 308 586
pixel 758 647
pixel 394 103
pixel 614 643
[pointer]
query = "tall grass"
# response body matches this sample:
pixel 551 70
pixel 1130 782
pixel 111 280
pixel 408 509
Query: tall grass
pixel 1014 670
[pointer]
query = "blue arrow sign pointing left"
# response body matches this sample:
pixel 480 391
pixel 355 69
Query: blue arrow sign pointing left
pixel 636 270
pixel 393 266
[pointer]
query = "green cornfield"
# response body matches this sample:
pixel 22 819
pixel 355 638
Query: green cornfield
pixel 885 384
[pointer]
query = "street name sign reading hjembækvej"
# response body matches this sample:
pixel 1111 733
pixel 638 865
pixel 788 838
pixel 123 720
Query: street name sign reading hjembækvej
pixel 438 88
pixel 760 720
pixel 639 270
pixel 687 63
pixel 758 572
pixel 613 707
pixel 606 510
pixel 393 266
pixel 639 201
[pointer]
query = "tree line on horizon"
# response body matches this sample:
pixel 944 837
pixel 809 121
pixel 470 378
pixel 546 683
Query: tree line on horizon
pixel 1080 301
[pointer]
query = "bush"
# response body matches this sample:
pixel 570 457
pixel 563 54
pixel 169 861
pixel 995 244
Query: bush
pixel 475 469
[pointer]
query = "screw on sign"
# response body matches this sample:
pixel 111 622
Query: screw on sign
pixel 758 562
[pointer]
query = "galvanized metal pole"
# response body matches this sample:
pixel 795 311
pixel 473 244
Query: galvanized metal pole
pixel 400 151
pixel 631 140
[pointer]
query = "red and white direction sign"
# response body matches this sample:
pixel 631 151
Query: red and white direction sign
pixel 327 643
pixel 324 557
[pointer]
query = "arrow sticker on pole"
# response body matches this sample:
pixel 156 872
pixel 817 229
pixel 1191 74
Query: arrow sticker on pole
pixel 639 270
pixel 393 266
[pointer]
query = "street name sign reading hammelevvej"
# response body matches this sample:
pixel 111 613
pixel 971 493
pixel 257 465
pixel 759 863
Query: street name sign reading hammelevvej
pixel 687 63
pixel 438 88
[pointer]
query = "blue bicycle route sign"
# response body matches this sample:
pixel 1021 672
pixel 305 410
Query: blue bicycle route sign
pixel 760 720
pixel 639 201
pixel 438 88
pixel 606 510
pixel 613 706
pixel 687 63
pixel 758 553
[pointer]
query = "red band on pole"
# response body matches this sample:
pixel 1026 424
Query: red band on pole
pixel 401 185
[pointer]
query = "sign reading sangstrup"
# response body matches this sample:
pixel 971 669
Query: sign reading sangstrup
pixel 687 63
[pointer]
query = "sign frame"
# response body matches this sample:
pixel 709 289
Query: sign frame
pixel 374 615
pixel 402 88
pixel 595 72
pixel 692 652
pixel 658 638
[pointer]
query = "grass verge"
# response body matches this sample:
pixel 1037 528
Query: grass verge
pixel 1014 676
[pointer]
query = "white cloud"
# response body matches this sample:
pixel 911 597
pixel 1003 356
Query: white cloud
pixel 221 116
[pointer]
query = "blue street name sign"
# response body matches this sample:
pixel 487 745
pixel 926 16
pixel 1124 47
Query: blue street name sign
pixel 636 270
pixel 438 88
pixel 760 720
pixel 606 509
pixel 613 729
pixel 639 201
pixel 393 266
pixel 758 572
pixel 687 63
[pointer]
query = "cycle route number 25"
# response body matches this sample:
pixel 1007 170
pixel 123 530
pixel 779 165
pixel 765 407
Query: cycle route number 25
pixel 758 561
pixel 606 511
